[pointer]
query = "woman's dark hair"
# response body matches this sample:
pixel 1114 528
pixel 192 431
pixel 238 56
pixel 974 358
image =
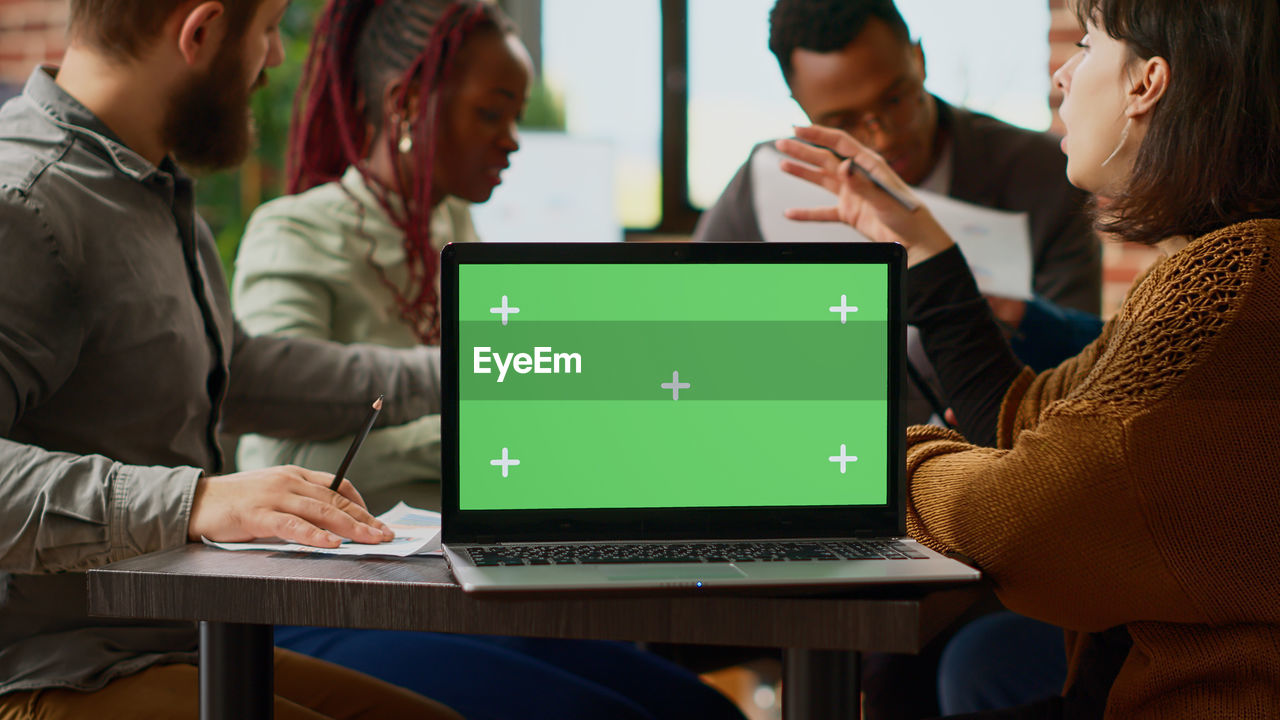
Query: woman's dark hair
pixel 1211 156
pixel 360 48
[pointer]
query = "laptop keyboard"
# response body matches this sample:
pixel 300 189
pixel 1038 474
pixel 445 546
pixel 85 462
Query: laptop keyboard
pixel 592 554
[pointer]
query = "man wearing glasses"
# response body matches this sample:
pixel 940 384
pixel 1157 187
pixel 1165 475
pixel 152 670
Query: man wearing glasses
pixel 851 64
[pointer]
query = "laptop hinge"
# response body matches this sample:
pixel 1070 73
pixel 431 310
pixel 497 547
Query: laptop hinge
pixel 867 534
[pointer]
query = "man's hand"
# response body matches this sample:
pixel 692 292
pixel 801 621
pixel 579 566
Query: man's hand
pixel 290 503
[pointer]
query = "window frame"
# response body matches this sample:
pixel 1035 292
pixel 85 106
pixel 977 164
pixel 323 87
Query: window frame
pixel 677 215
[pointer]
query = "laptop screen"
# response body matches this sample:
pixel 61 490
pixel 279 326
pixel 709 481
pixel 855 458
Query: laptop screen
pixel 671 378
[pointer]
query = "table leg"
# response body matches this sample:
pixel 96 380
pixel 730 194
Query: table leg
pixel 820 685
pixel 236 676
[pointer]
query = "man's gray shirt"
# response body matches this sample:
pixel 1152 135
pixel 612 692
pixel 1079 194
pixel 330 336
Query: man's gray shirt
pixel 119 364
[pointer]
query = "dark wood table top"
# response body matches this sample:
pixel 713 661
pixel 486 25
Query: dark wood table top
pixel 257 587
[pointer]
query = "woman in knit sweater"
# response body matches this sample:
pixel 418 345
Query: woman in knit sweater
pixel 1130 496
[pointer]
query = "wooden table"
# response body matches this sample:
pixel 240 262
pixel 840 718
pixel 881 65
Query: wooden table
pixel 239 596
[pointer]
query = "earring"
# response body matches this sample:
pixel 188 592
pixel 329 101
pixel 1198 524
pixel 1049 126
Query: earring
pixel 1124 135
pixel 405 146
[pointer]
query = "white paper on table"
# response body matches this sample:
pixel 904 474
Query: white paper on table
pixel 996 243
pixel 417 533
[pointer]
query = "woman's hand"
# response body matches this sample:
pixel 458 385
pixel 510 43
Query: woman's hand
pixel 860 204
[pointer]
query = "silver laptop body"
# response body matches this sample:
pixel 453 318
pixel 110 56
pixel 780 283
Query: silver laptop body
pixel 671 415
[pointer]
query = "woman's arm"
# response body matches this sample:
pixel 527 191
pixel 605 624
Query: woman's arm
pixel 290 274
pixel 966 346
pixel 968 349
pixel 1054 522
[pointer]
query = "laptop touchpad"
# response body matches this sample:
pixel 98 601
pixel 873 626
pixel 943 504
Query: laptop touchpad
pixel 658 572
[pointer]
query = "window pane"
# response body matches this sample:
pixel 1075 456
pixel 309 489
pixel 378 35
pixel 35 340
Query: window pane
pixel 987 55
pixel 736 94
pixel 604 60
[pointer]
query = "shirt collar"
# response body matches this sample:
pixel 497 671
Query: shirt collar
pixel 939 178
pixel 69 114
pixel 353 181
pixel 380 224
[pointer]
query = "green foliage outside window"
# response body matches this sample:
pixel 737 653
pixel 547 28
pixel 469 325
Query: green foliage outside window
pixel 545 109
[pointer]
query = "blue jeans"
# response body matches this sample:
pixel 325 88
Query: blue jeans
pixel 487 677
pixel 998 661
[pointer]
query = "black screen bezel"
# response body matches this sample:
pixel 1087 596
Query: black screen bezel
pixel 482 526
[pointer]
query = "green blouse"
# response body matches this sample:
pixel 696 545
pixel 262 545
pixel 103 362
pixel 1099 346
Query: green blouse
pixel 303 270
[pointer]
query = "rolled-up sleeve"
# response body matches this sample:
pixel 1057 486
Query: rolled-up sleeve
pixel 73 512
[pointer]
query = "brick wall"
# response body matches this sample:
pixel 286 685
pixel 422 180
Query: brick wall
pixel 31 32
pixel 1063 34
pixel 1121 262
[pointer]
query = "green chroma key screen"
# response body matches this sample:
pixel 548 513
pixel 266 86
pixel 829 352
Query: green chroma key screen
pixel 672 385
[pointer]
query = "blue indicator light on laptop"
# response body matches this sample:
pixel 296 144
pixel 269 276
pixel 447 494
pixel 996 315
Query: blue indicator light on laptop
pixel 698 584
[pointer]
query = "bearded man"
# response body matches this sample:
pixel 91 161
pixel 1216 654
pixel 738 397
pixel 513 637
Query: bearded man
pixel 120 362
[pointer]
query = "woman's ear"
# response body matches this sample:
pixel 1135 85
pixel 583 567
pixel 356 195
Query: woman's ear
pixel 1151 83
pixel 392 106
pixel 201 32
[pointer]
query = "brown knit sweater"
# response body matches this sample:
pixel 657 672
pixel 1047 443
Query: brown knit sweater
pixel 1138 484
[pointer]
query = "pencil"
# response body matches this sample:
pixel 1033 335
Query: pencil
pixel 355 445
pixel 904 201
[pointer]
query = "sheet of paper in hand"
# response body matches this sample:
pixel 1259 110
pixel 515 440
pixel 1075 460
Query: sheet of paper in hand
pixel 996 243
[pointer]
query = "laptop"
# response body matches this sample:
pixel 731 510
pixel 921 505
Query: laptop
pixel 621 416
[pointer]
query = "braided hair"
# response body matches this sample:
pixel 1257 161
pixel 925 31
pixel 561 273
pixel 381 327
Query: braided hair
pixel 359 49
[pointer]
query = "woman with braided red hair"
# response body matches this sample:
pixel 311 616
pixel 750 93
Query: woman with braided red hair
pixel 406 115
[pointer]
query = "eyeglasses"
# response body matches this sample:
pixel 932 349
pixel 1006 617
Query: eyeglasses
pixel 897 112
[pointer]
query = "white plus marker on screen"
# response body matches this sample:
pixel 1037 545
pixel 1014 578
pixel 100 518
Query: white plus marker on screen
pixel 843 458
pixel 503 310
pixel 844 308
pixel 505 462
pixel 675 386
